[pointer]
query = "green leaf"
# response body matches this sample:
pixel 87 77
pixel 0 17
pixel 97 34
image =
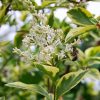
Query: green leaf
pixel 56 23
pixel 81 55
pixel 93 73
pixel 46 3
pixel 3 12
pixel 23 6
pixel 20 34
pixel 34 3
pixel 24 15
pixel 17 5
pixel 51 19
pixel 18 39
pixel 93 51
pixel 4 43
pixel 69 81
pixel 93 60
pixel 93 55
pixel 49 70
pixel 78 31
pixel 32 88
pixel 80 16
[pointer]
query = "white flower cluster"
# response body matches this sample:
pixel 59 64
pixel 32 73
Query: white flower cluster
pixel 43 42
pixel 39 17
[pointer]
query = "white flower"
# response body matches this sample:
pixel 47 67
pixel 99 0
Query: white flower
pixel 17 51
pixel 68 48
pixel 61 54
pixel 32 48
pixel 43 42
pixel 40 17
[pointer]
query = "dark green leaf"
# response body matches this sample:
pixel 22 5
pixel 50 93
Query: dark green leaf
pixel 51 19
pixel 80 16
pixel 69 81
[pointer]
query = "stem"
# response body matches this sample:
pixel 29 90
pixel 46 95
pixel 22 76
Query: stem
pixel 54 92
pixel 48 83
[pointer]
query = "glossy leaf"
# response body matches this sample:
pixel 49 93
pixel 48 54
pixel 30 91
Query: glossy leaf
pixel 80 16
pixel 78 31
pixel 68 81
pixel 93 51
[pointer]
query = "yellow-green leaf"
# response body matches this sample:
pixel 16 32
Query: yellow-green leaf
pixel 93 55
pixel 69 81
pixel 46 3
pixel 33 88
pixel 3 11
pixel 93 51
pixel 4 43
pixel 49 70
pixel 93 73
pixel 78 31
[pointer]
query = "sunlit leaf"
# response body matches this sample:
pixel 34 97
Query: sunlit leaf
pixel 93 51
pixel 24 15
pixel 78 31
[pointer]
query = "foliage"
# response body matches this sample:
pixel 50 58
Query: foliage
pixel 49 58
